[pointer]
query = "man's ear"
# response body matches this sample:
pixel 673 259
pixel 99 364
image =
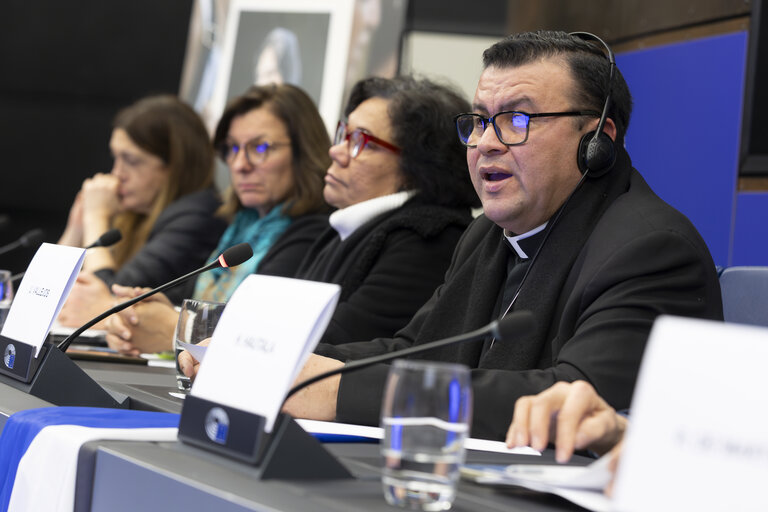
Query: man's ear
pixel 609 128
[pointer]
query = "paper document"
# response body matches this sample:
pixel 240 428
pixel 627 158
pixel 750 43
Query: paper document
pixel 582 485
pixel 197 351
pixel 90 336
pixel 331 427
pixel 42 292
pixel 267 331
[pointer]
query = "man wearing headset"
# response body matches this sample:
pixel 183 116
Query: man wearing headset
pixel 570 231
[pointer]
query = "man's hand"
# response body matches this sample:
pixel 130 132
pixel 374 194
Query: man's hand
pixel 189 365
pixel 572 414
pixel 317 401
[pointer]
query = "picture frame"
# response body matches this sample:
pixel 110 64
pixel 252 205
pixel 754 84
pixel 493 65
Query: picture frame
pixel 304 42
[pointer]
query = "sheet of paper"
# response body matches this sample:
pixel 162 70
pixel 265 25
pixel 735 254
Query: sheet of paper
pixel 331 427
pixel 487 445
pixel 42 292
pixel 697 435
pixel 582 485
pixel 59 330
pixel 197 351
pixel 267 331
pixel 341 429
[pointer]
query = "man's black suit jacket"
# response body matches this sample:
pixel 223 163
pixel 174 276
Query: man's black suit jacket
pixel 637 259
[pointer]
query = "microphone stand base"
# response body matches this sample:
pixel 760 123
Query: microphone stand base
pixel 287 453
pixel 52 376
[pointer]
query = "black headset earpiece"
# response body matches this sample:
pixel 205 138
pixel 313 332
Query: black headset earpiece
pixel 597 151
pixel 597 154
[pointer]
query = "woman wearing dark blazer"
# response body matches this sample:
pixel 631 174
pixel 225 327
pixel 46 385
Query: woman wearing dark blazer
pixel 400 184
pixel 275 144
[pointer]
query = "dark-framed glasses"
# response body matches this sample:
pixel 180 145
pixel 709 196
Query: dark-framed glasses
pixel 256 150
pixel 511 126
pixel 357 139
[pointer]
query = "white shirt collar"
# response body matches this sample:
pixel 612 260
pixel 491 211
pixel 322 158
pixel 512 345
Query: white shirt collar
pixel 347 220
pixel 513 240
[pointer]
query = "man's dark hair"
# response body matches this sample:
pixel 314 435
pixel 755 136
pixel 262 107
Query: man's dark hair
pixel 589 65
pixel 432 159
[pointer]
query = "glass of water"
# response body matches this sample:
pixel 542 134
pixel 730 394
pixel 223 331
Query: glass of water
pixel 6 295
pixel 197 321
pixel 426 415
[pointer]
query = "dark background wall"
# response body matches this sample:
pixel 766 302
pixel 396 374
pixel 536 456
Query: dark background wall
pixel 65 70
pixel 67 67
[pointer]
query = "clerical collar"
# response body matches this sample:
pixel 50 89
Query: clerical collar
pixel 527 243
pixel 347 220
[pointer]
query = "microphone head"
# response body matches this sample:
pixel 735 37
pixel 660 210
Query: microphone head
pixel 514 325
pixel 110 238
pixel 236 255
pixel 32 238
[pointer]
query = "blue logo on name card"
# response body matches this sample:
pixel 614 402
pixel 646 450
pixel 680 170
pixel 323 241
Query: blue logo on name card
pixel 10 356
pixel 217 425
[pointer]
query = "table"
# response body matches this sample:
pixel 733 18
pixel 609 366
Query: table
pixel 120 475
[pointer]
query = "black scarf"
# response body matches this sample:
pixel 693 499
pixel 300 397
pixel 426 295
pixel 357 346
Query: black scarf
pixel 542 289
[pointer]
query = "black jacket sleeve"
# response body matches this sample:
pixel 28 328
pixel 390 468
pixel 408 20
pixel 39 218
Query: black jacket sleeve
pixel 181 241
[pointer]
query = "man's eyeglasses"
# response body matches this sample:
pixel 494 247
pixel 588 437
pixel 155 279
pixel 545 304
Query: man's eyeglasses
pixel 358 139
pixel 511 126
pixel 256 150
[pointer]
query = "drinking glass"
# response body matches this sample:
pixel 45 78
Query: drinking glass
pixel 197 321
pixel 426 415
pixel 6 295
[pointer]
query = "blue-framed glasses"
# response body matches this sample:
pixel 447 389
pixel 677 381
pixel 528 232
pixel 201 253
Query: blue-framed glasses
pixel 511 126
pixel 256 150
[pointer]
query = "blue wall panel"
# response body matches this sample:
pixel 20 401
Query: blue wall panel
pixel 750 231
pixel 684 132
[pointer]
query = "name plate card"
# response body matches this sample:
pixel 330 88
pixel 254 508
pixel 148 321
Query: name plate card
pixel 42 292
pixel 698 438
pixel 267 331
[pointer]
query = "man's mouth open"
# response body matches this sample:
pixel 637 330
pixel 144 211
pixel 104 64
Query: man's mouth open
pixel 495 176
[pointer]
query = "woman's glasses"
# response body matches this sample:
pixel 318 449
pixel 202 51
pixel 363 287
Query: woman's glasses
pixel 256 151
pixel 358 139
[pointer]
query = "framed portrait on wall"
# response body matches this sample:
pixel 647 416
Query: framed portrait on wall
pixel 302 42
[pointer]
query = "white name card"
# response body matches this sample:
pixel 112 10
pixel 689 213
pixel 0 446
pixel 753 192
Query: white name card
pixel 698 434
pixel 268 329
pixel 42 292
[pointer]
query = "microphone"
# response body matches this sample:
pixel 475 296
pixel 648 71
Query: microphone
pixel 514 323
pixel 111 237
pixel 107 239
pixel 232 257
pixel 28 239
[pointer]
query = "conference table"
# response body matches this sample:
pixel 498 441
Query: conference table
pixel 163 476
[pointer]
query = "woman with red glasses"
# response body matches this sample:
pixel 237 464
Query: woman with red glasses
pixel 400 184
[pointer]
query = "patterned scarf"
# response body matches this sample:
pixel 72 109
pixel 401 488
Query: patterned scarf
pixel 219 284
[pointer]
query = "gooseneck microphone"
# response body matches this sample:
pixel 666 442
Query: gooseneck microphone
pixel 107 239
pixel 28 239
pixel 513 324
pixel 232 257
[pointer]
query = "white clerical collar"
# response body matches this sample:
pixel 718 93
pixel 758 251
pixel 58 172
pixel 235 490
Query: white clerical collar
pixel 514 240
pixel 347 220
